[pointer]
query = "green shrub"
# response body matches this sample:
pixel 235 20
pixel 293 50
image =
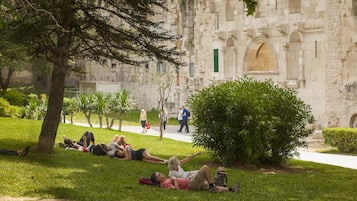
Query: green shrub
pixel 250 121
pixel 14 97
pixel 345 139
pixel 36 107
pixel 7 110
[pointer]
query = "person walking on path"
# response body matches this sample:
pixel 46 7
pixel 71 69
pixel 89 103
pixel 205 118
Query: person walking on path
pixel 184 120
pixel 143 120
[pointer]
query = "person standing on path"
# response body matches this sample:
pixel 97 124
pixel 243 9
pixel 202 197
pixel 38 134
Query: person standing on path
pixel 164 118
pixel 184 120
pixel 179 116
pixel 143 120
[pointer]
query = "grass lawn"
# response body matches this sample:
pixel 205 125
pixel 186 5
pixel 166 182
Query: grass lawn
pixel 82 176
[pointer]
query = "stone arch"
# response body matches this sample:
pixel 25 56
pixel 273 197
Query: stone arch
pixel 260 56
pixel 229 59
pixel 353 121
pixel 294 56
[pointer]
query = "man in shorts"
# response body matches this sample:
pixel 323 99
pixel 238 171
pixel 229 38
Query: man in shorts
pixel 197 182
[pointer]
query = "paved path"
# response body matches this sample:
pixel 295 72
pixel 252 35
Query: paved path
pixel 304 154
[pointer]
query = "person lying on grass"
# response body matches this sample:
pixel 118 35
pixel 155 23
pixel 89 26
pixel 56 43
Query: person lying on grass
pixel 197 182
pixel 126 152
pixel 21 152
pixel 84 142
pixel 85 146
pixel 140 155
pixel 118 143
pixel 175 169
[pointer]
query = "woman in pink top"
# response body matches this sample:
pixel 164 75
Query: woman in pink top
pixel 195 183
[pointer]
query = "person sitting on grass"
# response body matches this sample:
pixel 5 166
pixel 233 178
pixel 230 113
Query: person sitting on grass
pixel 175 169
pixel 197 182
pixel 20 153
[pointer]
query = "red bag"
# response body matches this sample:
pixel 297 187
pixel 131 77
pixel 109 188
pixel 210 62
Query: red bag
pixel 144 180
pixel 147 125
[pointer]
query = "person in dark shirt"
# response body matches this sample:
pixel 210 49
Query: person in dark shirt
pixel 22 152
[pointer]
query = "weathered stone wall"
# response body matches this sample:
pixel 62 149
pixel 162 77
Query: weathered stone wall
pixel 310 46
pixel 296 43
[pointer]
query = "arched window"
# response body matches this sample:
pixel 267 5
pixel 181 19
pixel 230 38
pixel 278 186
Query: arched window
pixel 229 59
pixel 294 57
pixel 260 56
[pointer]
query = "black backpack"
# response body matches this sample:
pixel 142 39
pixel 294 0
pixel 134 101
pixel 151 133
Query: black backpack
pixel 99 150
pixel 188 113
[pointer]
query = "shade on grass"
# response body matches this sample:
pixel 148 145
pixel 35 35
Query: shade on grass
pixel 76 175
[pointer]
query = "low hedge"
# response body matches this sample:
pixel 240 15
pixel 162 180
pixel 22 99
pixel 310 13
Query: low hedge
pixel 7 110
pixel 345 139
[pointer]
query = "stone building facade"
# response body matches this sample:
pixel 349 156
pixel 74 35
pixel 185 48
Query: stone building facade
pixel 307 45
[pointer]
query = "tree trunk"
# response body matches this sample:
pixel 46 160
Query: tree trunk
pixel 120 120
pixel 100 118
pixel 161 120
pixel 112 123
pixel 113 119
pixel 64 117
pixel 107 120
pixel 5 85
pixel 88 115
pixel 55 100
pixel 1 85
pixel 71 118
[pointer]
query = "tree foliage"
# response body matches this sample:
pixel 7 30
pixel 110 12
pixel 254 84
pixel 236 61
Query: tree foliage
pixel 250 121
pixel 94 30
pixel 12 58
pixel 251 5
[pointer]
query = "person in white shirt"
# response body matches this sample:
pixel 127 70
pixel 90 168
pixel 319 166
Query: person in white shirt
pixel 175 169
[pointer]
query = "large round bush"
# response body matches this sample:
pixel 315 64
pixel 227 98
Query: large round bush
pixel 250 121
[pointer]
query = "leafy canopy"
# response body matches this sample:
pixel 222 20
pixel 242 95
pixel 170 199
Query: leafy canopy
pixel 100 30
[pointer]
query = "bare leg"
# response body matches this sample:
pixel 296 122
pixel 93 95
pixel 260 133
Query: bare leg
pixel 207 174
pixel 84 141
pixel 222 189
pixel 208 178
pixel 115 138
pixel 153 161
pixel 147 156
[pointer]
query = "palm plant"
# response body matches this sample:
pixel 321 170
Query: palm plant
pixel 69 108
pixel 121 103
pixel 85 105
pixel 101 105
